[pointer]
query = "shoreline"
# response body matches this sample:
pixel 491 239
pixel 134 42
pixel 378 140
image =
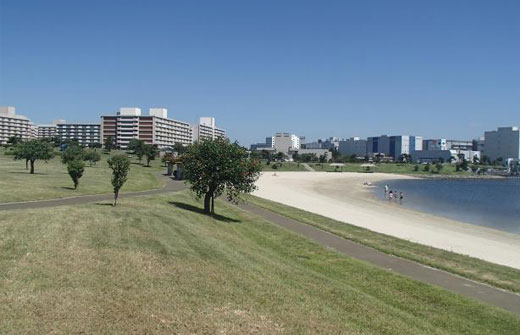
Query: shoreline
pixel 343 197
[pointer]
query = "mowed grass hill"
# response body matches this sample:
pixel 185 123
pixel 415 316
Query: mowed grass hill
pixel 157 265
pixel 52 181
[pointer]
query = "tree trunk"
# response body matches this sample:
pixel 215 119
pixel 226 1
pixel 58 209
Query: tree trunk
pixel 213 204
pixel 207 203
pixel 27 164
pixel 32 166
pixel 116 195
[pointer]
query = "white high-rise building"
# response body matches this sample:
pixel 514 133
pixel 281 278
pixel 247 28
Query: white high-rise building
pixel 12 124
pixel 206 129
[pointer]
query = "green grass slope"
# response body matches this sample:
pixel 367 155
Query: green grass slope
pixel 157 265
pixel 51 179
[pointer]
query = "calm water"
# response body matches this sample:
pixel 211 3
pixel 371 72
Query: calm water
pixel 491 203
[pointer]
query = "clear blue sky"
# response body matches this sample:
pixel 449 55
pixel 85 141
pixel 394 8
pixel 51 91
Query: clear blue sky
pixel 315 68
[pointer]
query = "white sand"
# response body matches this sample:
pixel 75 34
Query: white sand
pixel 343 197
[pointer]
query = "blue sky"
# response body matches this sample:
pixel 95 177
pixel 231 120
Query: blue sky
pixel 314 68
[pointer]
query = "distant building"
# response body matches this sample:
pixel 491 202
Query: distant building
pixel 48 130
pixel 283 142
pixel 434 156
pixel 444 144
pixel 394 146
pixel 12 124
pixel 329 143
pixel 315 152
pixel 206 129
pixel 155 128
pixel 502 143
pixel 353 146
pixel 84 133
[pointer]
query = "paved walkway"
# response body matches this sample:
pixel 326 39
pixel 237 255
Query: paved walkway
pixel 308 168
pixel 485 293
pixel 507 300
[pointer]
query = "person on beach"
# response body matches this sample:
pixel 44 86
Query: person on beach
pixel 401 197
pixel 386 189
pixel 390 195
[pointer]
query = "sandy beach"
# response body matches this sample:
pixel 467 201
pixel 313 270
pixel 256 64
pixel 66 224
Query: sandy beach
pixel 343 197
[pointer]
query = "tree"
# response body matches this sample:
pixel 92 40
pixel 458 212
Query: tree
pixel 32 151
pixel 73 152
pixel 296 157
pixel 439 167
pixel 150 151
pixel 213 167
pixel 426 168
pixel 137 147
pixel 322 159
pixel 14 140
pixel 179 148
pixel 280 155
pixel 91 156
pixel 109 144
pixel 94 145
pixel 120 166
pixel 75 169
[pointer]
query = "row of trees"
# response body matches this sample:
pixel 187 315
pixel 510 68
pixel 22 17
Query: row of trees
pixel 141 149
pixel 212 167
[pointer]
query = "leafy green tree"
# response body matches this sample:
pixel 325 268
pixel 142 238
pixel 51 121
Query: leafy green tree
pixel 75 169
pixel 32 151
pixel 179 148
pixel 109 144
pixel 138 147
pixel 91 156
pixel 280 155
pixel 150 151
pixel 426 168
pixel 213 167
pixel 14 140
pixel 439 167
pixel 73 152
pixel 322 159
pixel 120 166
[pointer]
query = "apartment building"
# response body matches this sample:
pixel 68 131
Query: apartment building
pixel 12 124
pixel 206 129
pixel 502 143
pixel 48 130
pixel 84 133
pixel 154 128
pixel 444 144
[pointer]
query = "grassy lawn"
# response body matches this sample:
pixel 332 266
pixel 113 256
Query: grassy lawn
pixel 156 265
pixel 448 169
pixel 51 179
pixel 285 166
pixel 472 268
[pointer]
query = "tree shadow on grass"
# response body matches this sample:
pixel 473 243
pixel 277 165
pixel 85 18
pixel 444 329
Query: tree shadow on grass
pixel 27 173
pixel 68 188
pixel 111 204
pixel 199 210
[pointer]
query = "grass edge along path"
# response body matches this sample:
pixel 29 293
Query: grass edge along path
pixel 496 275
pixel 157 265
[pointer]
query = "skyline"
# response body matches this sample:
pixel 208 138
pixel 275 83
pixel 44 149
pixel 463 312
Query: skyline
pixel 438 70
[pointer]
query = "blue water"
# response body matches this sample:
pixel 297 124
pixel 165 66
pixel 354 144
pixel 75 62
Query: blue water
pixel 485 202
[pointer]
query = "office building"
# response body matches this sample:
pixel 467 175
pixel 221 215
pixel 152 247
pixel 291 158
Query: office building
pixel 83 133
pixel 154 128
pixel 206 129
pixel 443 156
pixel 444 144
pixel 283 142
pixel 393 146
pixel 502 143
pixel 353 146
pixel 12 124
